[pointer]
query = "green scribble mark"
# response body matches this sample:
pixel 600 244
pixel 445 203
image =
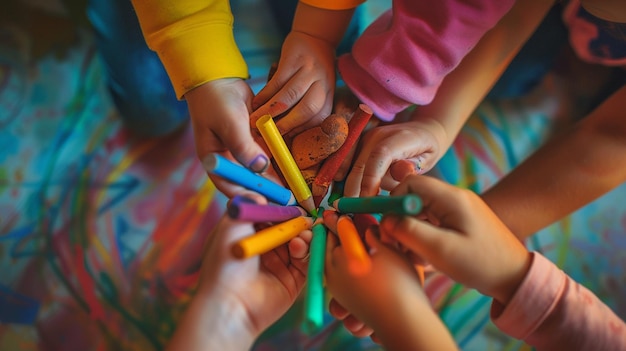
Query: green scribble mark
pixel 4 180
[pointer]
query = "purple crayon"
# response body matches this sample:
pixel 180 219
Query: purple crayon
pixel 244 209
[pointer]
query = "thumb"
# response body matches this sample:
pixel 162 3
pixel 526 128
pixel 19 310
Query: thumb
pixel 248 152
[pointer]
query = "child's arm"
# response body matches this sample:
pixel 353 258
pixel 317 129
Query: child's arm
pixel 304 80
pixel 195 42
pixel 389 299
pixel 584 162
pixel 551 311
pixel 533 300
pixel 571 170
pixel 457 97
pixel 401 59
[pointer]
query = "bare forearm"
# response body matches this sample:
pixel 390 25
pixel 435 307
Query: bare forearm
pixel 465 87
pixel 568 172
pixel 212 324
pixel 415 327
pixel 324 24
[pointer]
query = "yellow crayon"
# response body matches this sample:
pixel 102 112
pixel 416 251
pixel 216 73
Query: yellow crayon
pixel 359 261
pixel 286 163
pixel 270 238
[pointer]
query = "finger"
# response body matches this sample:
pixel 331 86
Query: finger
pixel 283 254
pixel 246 196
pixel 232 190
pixel 299 251
pixel 236 139
pixel 232 230
pixel 376 166
pixel 398 170
pixel 352 187
pixel 402 168
pixel 440 200
pixel 245 149
pixel 337 310
pixel 291 278
pixel 309 112
pixel 277 79
pixel 232 132
pixel 387 182
pixel 286 96
pixel 298 248
pixel 356 327
pixel 354 179
pixel 225 187
pixel 330 220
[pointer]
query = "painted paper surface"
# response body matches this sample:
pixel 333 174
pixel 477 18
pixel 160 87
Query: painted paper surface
pixel 101 232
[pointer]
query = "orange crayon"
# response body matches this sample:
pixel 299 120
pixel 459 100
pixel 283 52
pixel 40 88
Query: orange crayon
pixel 359 261
pixel 271 237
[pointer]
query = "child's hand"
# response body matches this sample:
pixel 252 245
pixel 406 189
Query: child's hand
pixel 237 297
pixel 418 141
pixel 389 300
pixel 220 112
pixel 303 84
pixel 264 286
pixel 377 297
pixel 461 238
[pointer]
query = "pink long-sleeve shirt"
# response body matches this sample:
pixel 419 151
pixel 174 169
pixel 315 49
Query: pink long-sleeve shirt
pixel 403 56
pixel 550 311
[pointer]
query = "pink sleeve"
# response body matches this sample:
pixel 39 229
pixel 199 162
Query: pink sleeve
pixel 402 57
pixel 550 311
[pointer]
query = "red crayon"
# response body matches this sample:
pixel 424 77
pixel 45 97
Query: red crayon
pixel 362 221
pixel 330 167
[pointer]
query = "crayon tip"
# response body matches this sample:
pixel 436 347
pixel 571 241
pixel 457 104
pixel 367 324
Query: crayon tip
pixel 309 205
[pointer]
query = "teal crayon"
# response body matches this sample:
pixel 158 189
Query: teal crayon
pixel 221 166
pixel 314 300
pixel 409 204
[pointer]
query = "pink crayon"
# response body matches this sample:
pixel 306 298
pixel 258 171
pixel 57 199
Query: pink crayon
pixel 244 209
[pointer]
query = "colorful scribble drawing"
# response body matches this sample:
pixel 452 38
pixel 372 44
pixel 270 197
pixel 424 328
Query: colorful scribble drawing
pixel 101 233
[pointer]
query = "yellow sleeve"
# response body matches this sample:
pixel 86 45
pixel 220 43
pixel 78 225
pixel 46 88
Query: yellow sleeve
pixel 193 38
pixel 334 4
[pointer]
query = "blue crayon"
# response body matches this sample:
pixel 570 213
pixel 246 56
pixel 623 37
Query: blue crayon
pixel 221 166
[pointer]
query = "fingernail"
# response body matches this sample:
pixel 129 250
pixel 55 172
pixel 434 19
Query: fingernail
pixel 418 165
pixel 259 164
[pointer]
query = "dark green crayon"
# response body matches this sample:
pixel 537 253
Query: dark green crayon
pixel 409 204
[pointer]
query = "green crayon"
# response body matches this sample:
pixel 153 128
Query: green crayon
pixel 314 298
pixel 409 204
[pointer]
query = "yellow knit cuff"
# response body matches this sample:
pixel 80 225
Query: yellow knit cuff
pixel 200 54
